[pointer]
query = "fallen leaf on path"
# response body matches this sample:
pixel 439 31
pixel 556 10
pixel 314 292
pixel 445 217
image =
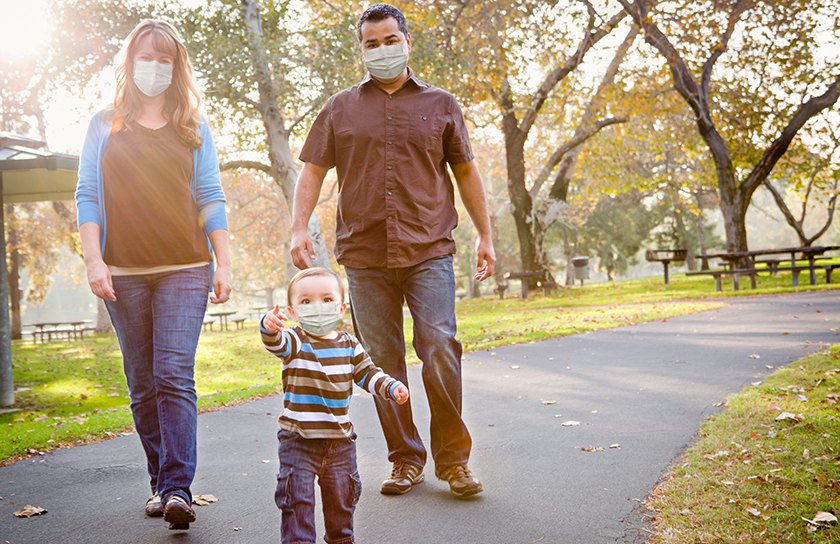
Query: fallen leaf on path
pixel 753 511
pixel 593 448
pixel 558 415
pixel 755 356
pixel 547 402
pixel 774 406
pixel 615 446
pixel 204 500
pixel 514 366
pixel 570 423
pixel 719 404
pixel 756 383
pixel 29 511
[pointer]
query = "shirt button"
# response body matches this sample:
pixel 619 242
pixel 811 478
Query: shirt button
pixel 389 117
pixel 389 193
pixel 390 143
pixel 424 118
pixel 390 168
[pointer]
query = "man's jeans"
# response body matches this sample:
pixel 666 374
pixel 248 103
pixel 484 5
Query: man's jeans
pixel 158 320
pixel 333 461
pixel 376 296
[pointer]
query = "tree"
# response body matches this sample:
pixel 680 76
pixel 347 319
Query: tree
pixel 760 100
pixel 808 176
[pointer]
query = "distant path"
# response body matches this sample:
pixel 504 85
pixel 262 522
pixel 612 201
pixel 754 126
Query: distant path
pixel 647 387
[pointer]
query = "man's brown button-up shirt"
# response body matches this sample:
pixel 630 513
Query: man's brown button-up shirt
pixel 396 201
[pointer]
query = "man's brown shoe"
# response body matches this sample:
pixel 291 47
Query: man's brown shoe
pixel 402 477
pixel 461 481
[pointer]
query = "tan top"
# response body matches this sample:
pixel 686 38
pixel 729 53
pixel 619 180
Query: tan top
pixel 149 206
pixel 396 203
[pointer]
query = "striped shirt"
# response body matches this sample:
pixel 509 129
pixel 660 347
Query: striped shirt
pixel 318 376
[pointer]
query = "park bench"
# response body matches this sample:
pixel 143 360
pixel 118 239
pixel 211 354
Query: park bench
pixel 666 257
pixel 239 321
pixel 751 272
pixel 523 278
pixel 500 290
pixel 773 261
pixel 547 286
pixel 208 321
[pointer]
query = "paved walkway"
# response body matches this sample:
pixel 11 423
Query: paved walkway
pixel 646 387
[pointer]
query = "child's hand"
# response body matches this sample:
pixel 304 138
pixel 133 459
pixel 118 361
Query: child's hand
pixel 401 394
pixel 273 320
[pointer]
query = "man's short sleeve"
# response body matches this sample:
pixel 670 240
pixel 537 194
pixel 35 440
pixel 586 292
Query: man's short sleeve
pixel 319 147
pixel 456 139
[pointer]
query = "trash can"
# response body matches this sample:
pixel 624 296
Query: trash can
pixel 581 268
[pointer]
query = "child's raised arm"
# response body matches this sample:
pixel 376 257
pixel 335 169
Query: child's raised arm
pixel 273 320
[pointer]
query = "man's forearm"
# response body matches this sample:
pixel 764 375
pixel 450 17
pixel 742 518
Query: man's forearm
pixel 471 189
pixel 307 191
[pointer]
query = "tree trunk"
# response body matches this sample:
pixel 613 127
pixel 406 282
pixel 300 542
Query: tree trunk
pixel 283 168
pixel 103 318
pixel 701 235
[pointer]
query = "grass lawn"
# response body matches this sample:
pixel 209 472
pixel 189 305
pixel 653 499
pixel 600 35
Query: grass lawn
pixel 763 467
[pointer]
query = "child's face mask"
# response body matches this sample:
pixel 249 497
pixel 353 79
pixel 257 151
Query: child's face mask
pixel 319 318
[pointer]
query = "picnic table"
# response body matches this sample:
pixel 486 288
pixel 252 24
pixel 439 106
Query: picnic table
pixel 777 261
pixel 49 329
pixel 666 257
pixel 223 318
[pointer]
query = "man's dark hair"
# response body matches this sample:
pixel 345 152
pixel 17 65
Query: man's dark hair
pixel 379 12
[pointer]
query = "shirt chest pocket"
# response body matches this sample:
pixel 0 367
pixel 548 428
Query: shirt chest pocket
pixel 425 131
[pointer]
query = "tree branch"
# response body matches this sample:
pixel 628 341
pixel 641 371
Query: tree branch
pixel 253 165
pixel 778 148
pixel 560 72
pixel 580 136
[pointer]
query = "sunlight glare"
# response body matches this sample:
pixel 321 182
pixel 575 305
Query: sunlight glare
pixel 23 27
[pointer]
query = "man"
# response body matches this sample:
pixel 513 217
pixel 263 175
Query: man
pixel 390 138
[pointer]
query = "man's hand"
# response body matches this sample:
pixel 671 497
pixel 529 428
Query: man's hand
pixel 273 320
pixel 486 258
pixel 302 251
pixel 401 394
pixel 221 285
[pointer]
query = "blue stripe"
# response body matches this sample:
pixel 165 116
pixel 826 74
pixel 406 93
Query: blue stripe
pixel 327 353
pixel 314 399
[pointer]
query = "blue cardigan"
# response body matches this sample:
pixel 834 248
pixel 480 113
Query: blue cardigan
pixel 205 182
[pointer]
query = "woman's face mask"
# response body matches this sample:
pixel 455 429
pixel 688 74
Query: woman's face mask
pixel 319 318
pixel 152 78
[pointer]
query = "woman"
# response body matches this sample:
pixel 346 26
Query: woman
pixel 149 199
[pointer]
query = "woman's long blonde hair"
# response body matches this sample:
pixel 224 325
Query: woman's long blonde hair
pixel 182 98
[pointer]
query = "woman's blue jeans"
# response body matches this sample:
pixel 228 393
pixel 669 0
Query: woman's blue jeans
pixel 376 297
pixel 158 320
pixel 333 462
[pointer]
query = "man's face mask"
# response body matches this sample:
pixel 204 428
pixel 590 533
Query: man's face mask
pixel 319 318
pixel 152 78
pixel 386 61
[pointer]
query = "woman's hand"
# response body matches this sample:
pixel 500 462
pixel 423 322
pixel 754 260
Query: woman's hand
pixel 221 285
pixel 99 278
